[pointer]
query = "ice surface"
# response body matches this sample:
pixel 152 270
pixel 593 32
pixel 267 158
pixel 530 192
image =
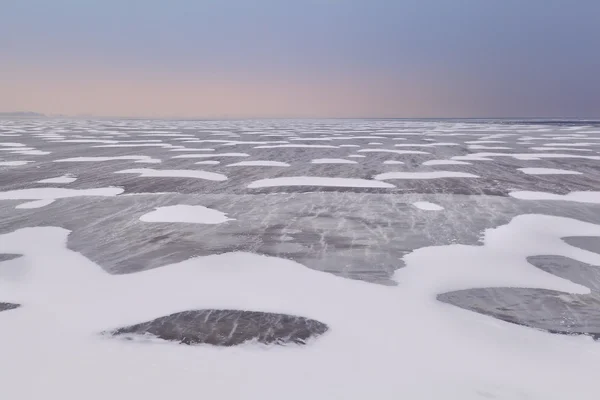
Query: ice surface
pixel 186 214
pixel 228 328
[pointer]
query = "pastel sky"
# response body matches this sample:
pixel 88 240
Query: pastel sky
pixel 301 58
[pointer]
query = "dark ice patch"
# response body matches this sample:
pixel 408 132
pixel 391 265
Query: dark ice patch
pixel 227 328
pixel 8 257
pixel 577 272
pixel 8 306
pixel 548 310
pixel 589 243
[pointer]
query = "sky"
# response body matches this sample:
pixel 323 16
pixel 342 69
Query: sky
pixel 301 58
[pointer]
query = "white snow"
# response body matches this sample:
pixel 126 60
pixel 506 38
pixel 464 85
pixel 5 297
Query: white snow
pixel 393 162
pixel 36 203
pixel 548 171
pixel 424 175
pixel 13 163
pixel 392 151
pixel 186 214
pixel 208 162
pixel 446 162
pixel 332 161
pixel 318 181
pixel 212 155
pixel 57 193
pixel 297 146
pixel 449 353
pixel 522 156
pixel 137 159
pixel 174 173
pixel 427 206
pixel 580 197
pixel 59 179
pixel 259 163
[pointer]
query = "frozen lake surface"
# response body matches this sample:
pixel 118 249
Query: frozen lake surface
pixel 305 259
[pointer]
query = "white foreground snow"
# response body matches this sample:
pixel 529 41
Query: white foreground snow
pixel 318 181
pixel 384 342
pixel 187 214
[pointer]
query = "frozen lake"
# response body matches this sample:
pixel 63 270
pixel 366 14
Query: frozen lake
pixel 388 259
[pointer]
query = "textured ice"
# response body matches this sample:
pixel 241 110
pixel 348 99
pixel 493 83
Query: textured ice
pixel 227 328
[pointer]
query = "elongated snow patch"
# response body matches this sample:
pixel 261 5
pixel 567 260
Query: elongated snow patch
pixel 332 161
pixel 259 163
pixel 427 206
pixel 186 214
pixel 137 159
pixel 548 171
pixel 174 173
pixel 319 181
pixel 36 203
pixel 57 193
pixel 424 175
pixel 579 197
pixel 59 179
pixel 213 155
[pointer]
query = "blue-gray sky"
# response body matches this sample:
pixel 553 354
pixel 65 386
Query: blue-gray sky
pixel 338 58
